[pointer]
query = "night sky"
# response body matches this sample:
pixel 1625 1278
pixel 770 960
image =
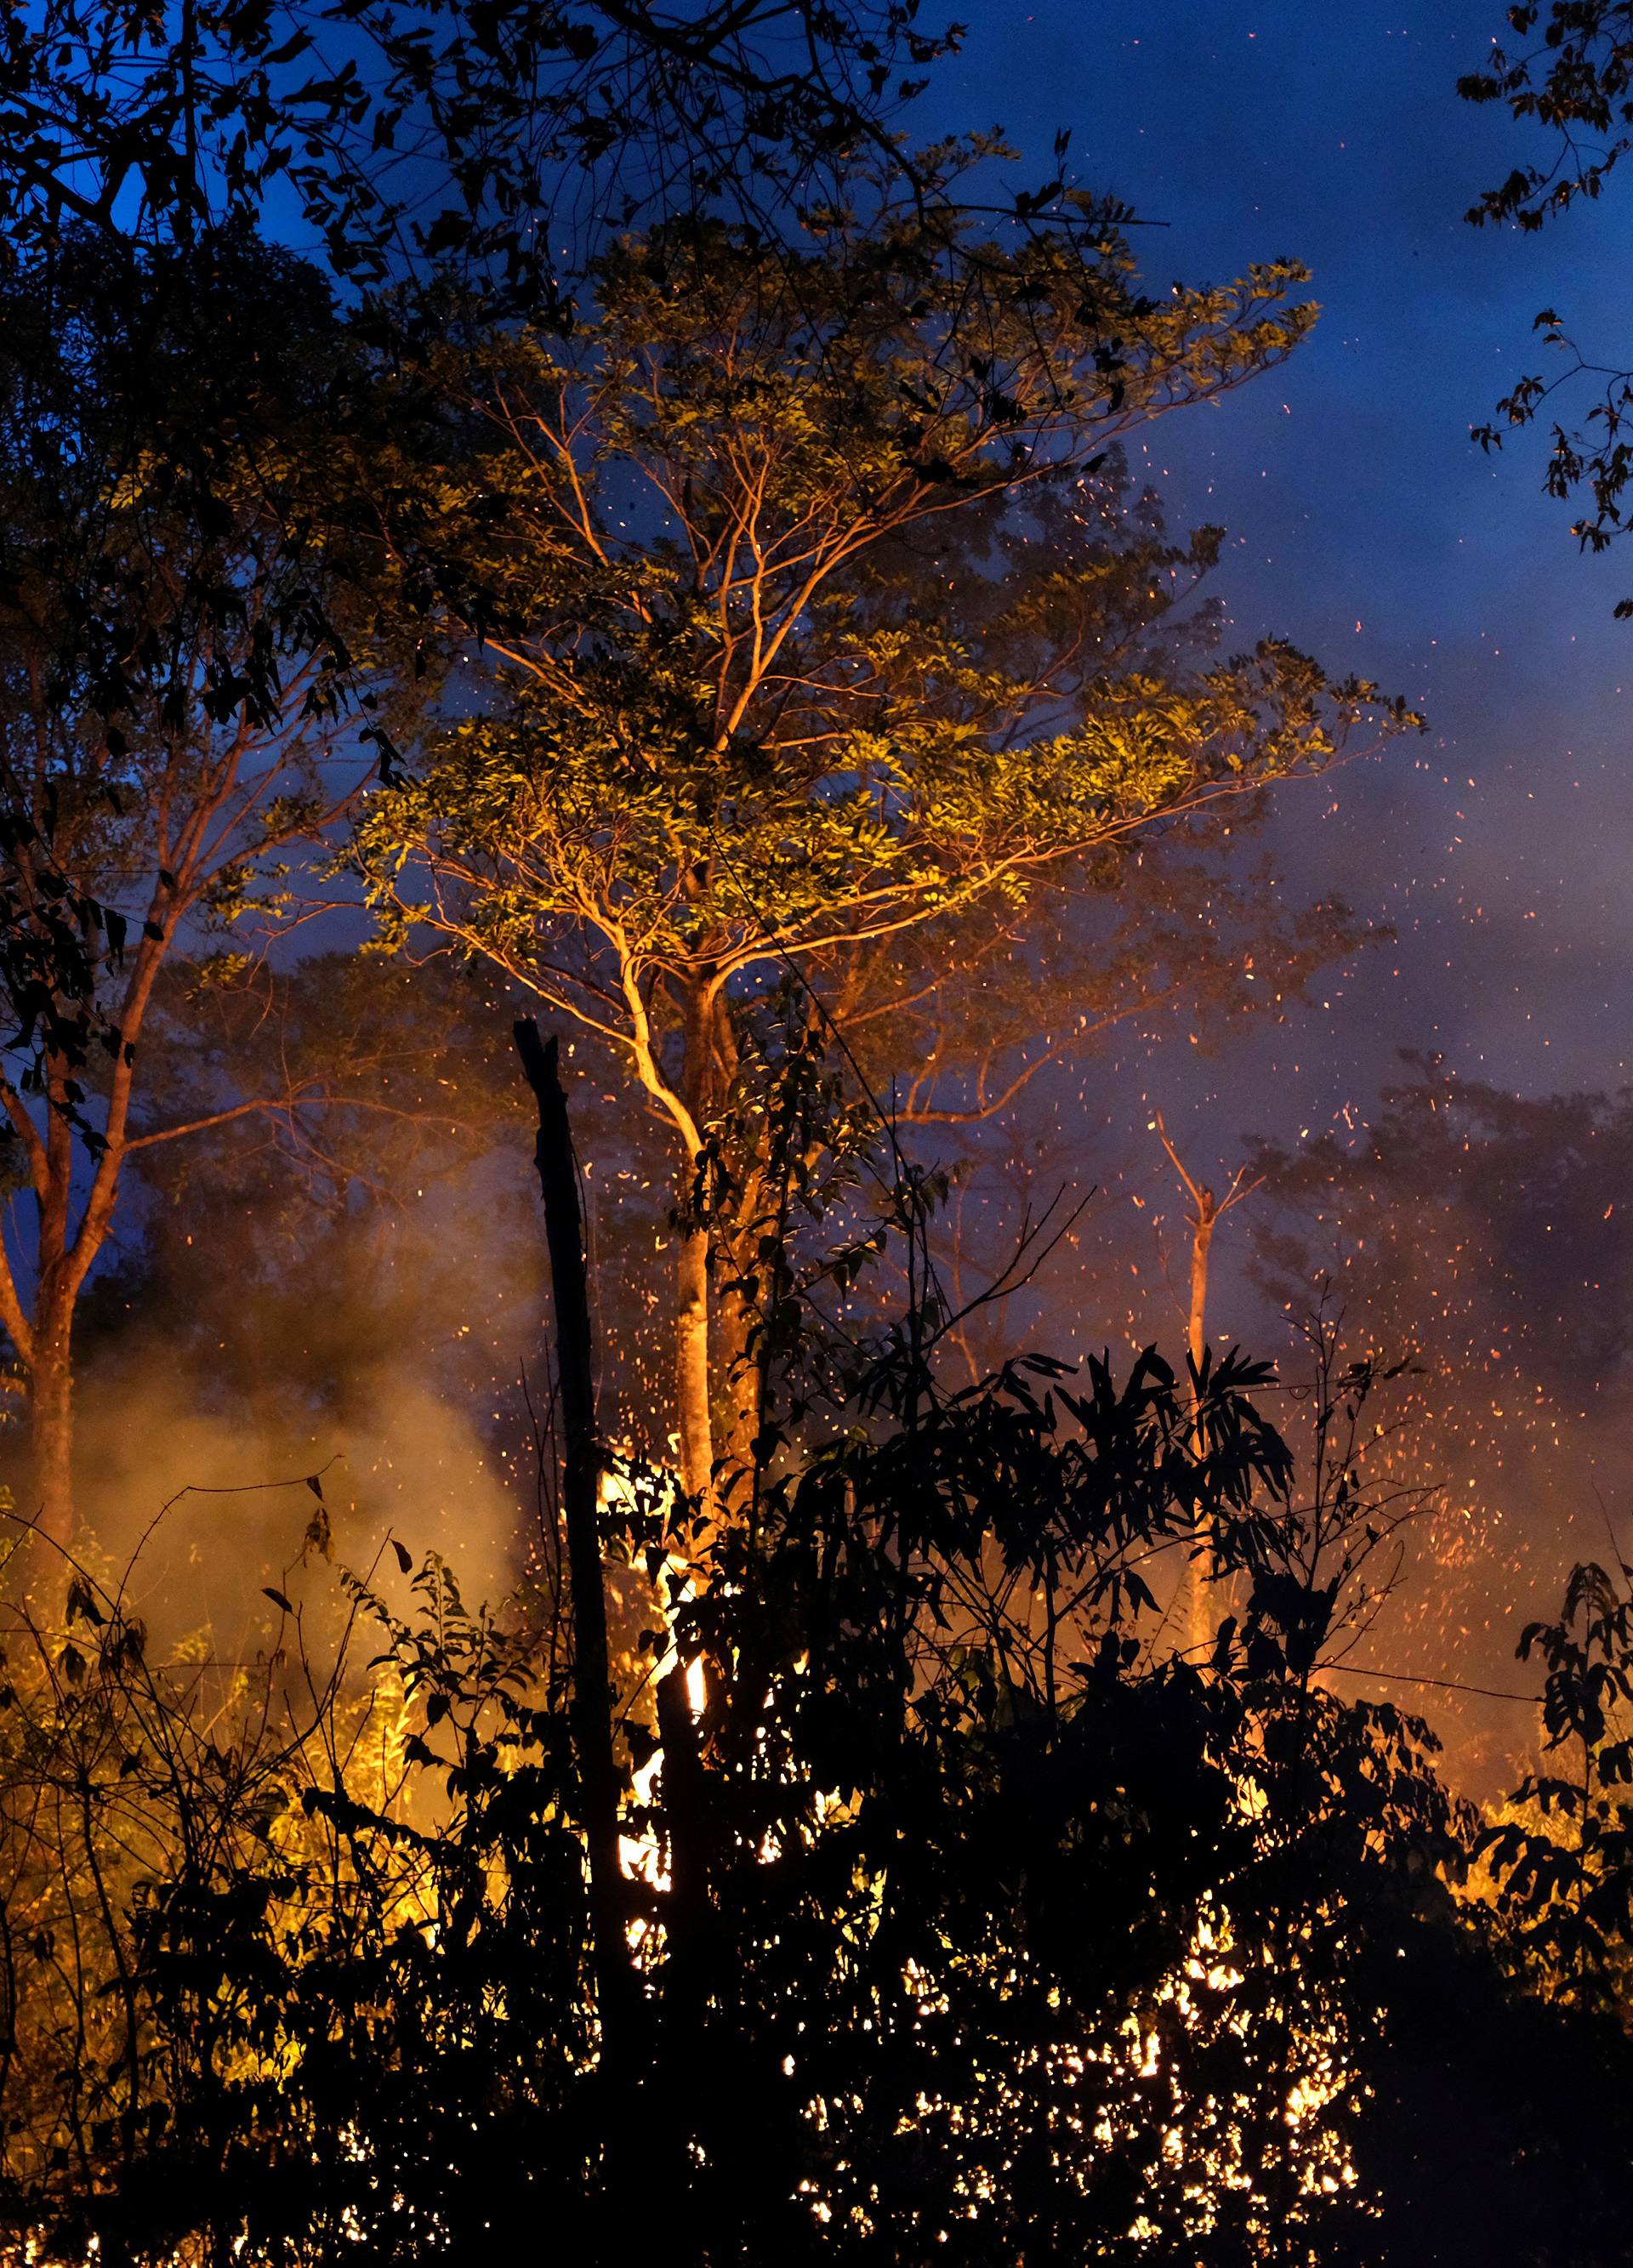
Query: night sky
pixel 1365 524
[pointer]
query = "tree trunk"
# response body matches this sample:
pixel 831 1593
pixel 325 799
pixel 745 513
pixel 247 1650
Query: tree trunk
pixel 1200 1598
pixel 51 1430
pixel 717 1384
pixel 736 1368
pixel 693 1421
pixel 706 1045
pixel 591 1716
pixel 1202 1591
pixel 1201 1241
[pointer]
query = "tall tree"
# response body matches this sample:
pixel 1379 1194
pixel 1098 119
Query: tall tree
pixel 1208 1207
pixel 232 743
pixel 782 677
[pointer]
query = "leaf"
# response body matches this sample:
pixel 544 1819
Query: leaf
pixel 82 1606
pixel 277 1599
pixel 404 1560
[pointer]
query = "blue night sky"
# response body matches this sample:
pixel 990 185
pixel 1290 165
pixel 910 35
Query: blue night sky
pixel 1365 524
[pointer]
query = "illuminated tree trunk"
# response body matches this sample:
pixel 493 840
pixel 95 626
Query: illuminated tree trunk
pixel 736 1352
pixel 716 1389
pixel 716 1395
pixel 1201 1244
pixel 40 1326
pixel 1198 1616
pixel 51 1429
pixel 694 1422
pixel 1202 1592
pixel 704 1026
pixel 740 1386
pixel 48 1347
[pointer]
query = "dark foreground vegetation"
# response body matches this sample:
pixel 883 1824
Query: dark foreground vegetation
pixel 847 1868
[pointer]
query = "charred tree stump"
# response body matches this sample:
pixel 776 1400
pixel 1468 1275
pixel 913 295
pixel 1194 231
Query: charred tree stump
pixel 591 1708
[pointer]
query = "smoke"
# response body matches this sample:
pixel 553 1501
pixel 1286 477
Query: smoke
pixel 1483 1239
pixel 206 1510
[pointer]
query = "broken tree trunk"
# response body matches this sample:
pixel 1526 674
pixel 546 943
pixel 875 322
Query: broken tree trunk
pixel 581 1488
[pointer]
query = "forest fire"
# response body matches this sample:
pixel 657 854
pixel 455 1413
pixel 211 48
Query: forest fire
pixel 630 579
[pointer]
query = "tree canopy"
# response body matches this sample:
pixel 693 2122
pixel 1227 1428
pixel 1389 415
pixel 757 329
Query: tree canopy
pixel 817 623
pixel 433 127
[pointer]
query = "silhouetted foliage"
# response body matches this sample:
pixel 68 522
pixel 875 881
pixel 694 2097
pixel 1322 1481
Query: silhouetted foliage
pixel 952 1911
pixel 437 128
pixel 1572 76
